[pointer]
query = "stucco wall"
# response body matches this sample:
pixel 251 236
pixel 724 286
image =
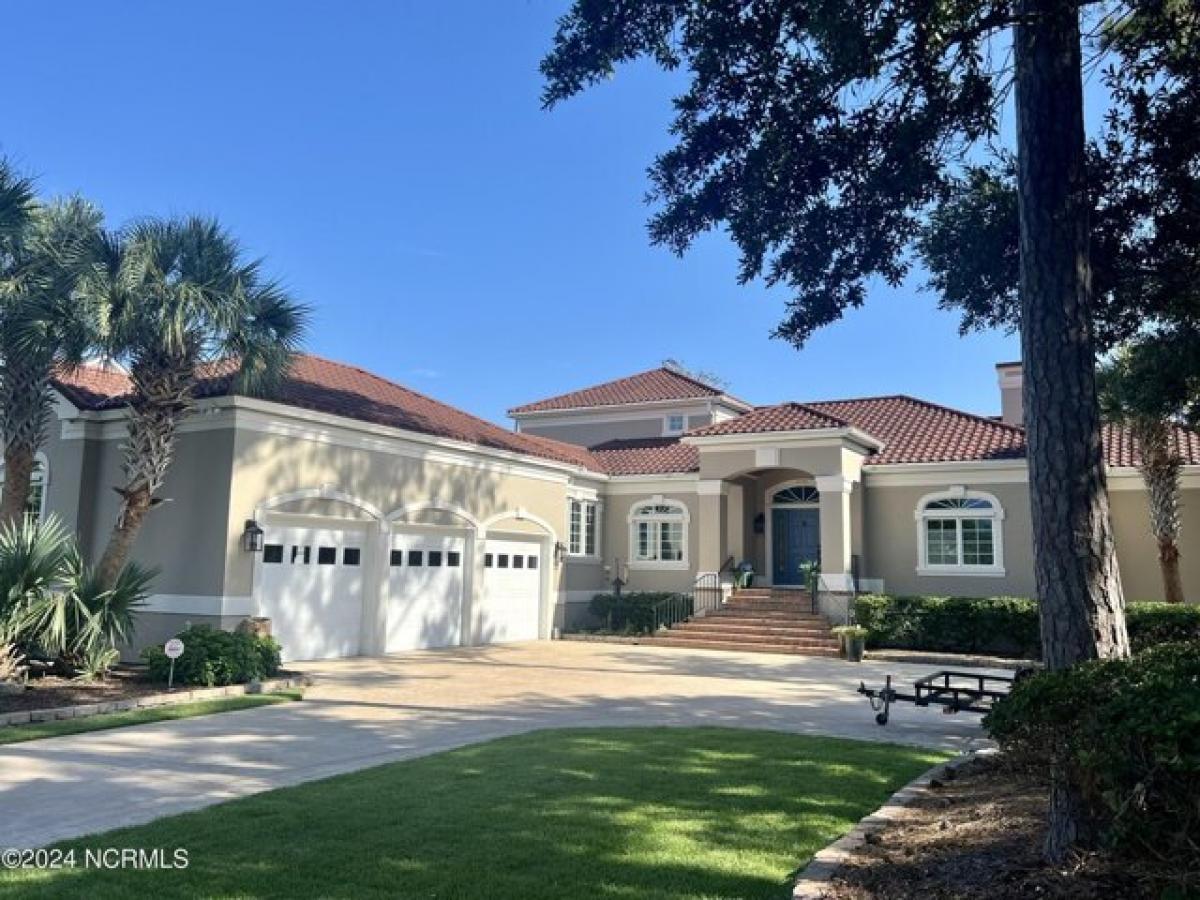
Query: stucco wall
pixel 268 465
pixel 1137 553
pixel 890 537
pixel 589 433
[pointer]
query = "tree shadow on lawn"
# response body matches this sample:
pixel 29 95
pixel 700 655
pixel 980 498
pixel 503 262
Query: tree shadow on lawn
pixel 656 813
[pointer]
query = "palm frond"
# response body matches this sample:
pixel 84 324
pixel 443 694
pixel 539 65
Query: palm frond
pixel 18 201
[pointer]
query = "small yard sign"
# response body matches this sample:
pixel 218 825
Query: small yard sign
pixel 173 649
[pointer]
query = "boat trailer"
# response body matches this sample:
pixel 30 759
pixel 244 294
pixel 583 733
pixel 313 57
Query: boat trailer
pixel 952 690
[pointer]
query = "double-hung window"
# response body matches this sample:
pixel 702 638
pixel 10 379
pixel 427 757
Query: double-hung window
pixel 960 533
pixel 658 534
pixel 582 525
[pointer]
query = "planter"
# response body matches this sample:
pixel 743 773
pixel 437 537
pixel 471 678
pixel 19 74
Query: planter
pixel 855 647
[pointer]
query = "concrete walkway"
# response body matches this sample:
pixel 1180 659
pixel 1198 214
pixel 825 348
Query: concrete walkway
pixel 363 712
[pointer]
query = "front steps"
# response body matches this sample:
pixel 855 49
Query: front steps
pixel 760 620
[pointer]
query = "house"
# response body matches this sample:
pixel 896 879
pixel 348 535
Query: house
pixel 392 521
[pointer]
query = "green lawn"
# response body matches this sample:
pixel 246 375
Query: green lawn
pixel 597 813
pixel 16 734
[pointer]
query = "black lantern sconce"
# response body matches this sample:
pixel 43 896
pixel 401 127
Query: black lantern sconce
pixel 252 537
pixel 760 523
pixel 560 550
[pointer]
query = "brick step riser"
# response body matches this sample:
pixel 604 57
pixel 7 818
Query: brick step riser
pixel 775 595
pixel 751 631
pixel 766 601
pixel 766 615
pixel 748 648
pixel 742 640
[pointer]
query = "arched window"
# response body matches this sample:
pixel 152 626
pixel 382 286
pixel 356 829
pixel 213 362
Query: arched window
pixel 658 534
pixel 796 495
pixel 960 532
pixel 35 505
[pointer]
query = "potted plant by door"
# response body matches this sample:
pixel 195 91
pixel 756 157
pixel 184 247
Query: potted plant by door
pixel 853 639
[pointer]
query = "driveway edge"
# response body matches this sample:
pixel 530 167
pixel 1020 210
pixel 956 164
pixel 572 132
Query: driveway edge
pixel 267 686
pixel 812 882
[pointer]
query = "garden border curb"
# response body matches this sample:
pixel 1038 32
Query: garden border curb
pixel 813 881
pixel 174 698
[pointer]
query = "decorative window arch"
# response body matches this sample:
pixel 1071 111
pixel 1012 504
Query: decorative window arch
pixel 960 532
pixel 35 504
pixel 796 495
pixel 658 534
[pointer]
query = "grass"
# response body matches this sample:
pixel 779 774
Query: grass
pixel 644 814
pixel 16 734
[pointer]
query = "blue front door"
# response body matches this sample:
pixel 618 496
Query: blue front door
pixel 795 540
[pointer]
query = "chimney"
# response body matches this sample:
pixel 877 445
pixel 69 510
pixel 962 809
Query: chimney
pixel 1009 376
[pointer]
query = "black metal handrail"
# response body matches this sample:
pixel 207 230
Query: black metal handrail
pixel 706 595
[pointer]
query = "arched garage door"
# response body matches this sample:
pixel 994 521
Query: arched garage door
pixel 510 599
pixel 311 588
pixel 425 591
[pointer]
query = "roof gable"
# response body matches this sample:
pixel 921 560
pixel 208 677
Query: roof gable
pixel 653 385
pixel 765 419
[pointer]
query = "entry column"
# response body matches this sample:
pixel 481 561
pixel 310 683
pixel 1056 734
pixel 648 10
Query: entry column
pixel 835 531
pixel 712 503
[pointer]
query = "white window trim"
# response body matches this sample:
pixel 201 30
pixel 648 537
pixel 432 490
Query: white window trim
pixel 995 514
pixel 39 459
pixel 597 529
pixel 683 516
pixel 668 431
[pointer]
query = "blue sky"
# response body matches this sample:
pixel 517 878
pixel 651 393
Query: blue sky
pixel 392 163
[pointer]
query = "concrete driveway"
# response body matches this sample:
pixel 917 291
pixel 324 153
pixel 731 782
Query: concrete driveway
pixel 366 711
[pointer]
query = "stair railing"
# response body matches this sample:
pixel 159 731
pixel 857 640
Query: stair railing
pixel 705 596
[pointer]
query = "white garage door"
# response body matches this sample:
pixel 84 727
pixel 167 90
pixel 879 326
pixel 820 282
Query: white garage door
pixel 311 588
pixel 512 577
pixel 425 592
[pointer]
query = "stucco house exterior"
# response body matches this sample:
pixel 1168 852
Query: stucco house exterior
pixel 392 521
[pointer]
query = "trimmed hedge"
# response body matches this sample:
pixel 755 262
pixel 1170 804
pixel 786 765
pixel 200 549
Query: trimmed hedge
pixel 631 613
pixel 996 625
pixel 1127 734
pixel 999 625
pixel 212 657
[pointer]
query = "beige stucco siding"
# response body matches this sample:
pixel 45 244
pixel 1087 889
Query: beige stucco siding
pixel 1137 553
pixel 268 466
pixel 890 542
pixel 184 537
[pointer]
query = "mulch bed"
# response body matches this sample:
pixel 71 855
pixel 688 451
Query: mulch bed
pixel 50 691
pixel 979 835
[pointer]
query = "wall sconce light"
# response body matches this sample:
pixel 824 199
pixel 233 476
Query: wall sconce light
pixel 560 550
pixel 760 523
pixel 252 537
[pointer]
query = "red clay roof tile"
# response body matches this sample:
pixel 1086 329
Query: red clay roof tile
pixel 656 384
pixel 649 456
pixel 784 417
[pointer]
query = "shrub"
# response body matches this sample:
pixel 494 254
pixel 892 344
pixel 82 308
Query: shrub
pixel 212 657
pixel 1127 733
pixel 1002 625
pixel 1151 624
pixel 633 613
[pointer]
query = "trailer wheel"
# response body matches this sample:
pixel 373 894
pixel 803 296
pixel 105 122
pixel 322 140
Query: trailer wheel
pixel 881 718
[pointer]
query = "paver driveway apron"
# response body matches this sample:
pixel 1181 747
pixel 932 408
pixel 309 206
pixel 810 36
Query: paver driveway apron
pixel 362 712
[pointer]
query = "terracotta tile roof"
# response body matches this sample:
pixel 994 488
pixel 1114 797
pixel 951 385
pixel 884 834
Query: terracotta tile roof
pixel 338 389
pixel 656 384
pixel 916 431
pixel 649 456
pixel 1122 450
pixel 784 417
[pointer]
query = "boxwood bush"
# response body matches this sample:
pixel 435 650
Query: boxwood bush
pixel 212 657
pixel 999 625
pixel 631 613
pixel 1127 733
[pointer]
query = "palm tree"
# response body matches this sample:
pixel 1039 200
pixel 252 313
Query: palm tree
pixel 1148 387
pixel 182 303
pixel 44 324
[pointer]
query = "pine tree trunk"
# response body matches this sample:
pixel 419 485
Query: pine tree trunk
pixel 1075 567
pixel 19 461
